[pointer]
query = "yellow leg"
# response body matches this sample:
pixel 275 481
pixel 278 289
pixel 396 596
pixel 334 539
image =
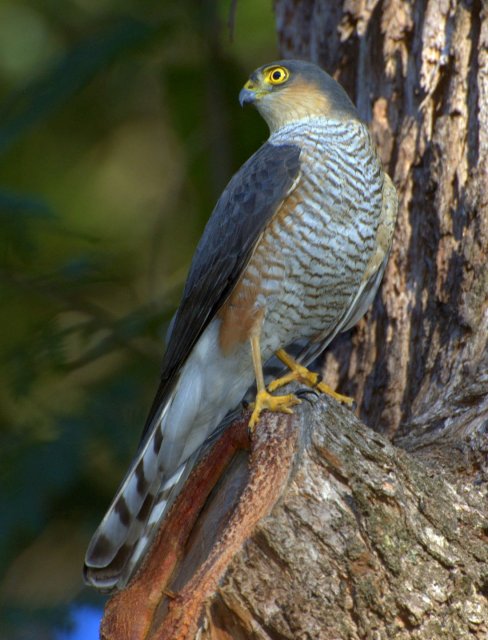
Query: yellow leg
pixel 264 399
pixel 302 374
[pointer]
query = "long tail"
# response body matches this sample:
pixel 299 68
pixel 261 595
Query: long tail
pixel 138 505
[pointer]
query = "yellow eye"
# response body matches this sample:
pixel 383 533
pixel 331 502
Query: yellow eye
pixel 277 75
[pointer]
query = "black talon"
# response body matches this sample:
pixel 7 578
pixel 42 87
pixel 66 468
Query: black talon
pixel 306 391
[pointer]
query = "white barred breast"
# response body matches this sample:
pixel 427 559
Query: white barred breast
pixel 313 255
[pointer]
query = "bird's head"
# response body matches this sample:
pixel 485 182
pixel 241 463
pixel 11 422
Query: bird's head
pixel 290 90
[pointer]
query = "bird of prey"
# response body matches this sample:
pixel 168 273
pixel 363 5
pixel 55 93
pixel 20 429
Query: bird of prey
pixel 292 255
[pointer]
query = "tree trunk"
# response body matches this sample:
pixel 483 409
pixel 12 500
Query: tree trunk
pixel 363 539
pixel 418 71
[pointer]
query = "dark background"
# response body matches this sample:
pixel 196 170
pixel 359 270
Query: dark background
pixel 119 126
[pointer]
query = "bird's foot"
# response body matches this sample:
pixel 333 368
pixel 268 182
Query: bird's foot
pixel 324 388
pixel 264 400
pixel 301 374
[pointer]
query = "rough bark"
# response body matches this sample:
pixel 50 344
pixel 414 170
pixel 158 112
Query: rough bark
pixel 363 539
pixel 365 543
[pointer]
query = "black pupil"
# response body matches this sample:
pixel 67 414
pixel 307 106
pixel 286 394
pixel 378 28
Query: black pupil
pixel 276 75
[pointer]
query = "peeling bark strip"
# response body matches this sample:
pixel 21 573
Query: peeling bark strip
pixel 418 71
pixel 132 613
pixel 203 532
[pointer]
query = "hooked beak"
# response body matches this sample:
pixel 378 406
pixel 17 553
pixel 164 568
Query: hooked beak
pixel 246 96
pixel 251 92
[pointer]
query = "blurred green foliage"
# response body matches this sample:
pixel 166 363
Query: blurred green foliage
pixel 119 126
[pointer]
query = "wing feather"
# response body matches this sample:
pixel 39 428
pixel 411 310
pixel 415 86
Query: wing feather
pixel 248 202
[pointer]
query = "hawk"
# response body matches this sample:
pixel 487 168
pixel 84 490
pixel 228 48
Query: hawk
pixel 292 255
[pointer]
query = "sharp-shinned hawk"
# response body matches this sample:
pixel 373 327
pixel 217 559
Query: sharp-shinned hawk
pixel 292 255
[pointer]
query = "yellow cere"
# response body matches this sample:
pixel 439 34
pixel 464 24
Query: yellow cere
pixel 276 75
